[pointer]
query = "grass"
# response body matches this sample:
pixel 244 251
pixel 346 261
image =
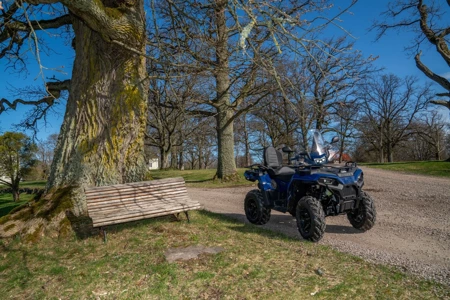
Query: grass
pixel 7 204
pixel 6 200
pixel 255 264
pixel 201 178
pixel 433 168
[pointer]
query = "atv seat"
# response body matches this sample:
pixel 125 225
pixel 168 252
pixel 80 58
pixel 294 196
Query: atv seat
pixel 273 160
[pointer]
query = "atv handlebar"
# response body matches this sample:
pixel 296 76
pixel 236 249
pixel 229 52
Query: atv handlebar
pixel 259 166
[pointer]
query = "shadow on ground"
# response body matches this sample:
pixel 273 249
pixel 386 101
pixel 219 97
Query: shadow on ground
pixel 278 224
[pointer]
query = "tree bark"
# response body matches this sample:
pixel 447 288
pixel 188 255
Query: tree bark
pixel 181 160
pixel 102 135
pixel 164 158
pixel 16 195
pixel 248 159
pixel 173 158
pixel 226 166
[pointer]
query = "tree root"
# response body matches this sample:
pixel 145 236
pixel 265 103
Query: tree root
pixel 53 215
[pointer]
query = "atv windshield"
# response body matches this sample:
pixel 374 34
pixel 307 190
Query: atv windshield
pixel 317 147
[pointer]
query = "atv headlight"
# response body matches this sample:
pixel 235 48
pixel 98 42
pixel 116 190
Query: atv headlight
pixel 328 181
pixel 320 161
pixel 360 178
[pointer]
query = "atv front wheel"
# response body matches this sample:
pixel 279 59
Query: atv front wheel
pixel 363 218
pixel 255 211
pixel 310 219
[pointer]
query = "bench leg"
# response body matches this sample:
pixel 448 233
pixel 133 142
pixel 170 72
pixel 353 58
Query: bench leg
pixel 103 231
pixel 177 216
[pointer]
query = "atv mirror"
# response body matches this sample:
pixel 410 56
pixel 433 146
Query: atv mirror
pixel 334 140
pixel 287 149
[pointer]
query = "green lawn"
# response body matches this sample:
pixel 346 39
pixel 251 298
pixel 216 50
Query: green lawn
pixel 255 264
pixel 7 204
pixel 6 200
pixel 434 168
pixel 200 178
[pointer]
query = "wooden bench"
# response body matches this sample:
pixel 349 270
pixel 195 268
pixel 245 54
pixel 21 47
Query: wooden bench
pixel 121 203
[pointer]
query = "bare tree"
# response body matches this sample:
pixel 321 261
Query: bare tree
pixel 431 129
pixel 300 105
pixel 242 138
pixel 390 105
pixel 346 115
pixel 429 21
pixel 235 44
pixel 45 153
pixel 168 102
pixel 200 147
pixel 331 72
pixel 280 119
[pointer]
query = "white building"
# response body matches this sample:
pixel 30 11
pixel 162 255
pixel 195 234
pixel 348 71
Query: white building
pixel 4 178
pixel 153 164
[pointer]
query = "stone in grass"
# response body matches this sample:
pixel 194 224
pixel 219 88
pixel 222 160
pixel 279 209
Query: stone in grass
pixel 319 272
pixel 191 252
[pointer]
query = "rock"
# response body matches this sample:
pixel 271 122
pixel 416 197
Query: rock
pixel 191 252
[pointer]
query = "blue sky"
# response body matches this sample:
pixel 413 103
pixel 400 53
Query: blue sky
pixel 390 50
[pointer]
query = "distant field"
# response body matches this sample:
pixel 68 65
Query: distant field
pixel 434 168
pixel 200 178
pixel 29 184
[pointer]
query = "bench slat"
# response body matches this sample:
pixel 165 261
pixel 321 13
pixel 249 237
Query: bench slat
pixel 108 205
pixel 137 201
pixel 146 216
pixel 136 195
pixel 124 213
pixel 154 183
pixel 181 199
pixel 121 213
pixel 131 189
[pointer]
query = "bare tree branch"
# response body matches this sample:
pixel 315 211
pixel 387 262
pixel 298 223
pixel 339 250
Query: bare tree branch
pixel 441 102
pixel 12 27
pixel 433 37
pixel 54 92
pixel 442 81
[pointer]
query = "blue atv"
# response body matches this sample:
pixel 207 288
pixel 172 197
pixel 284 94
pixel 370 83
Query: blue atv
pixel 309 189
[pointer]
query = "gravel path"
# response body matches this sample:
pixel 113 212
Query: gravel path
pixel 412 229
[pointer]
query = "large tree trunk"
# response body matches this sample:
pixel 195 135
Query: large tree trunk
pixel 164 155
pixel 15 187
pixel 101 139
pixel 16 195
pixel 226 166
pixel 173 158
pixel 102 136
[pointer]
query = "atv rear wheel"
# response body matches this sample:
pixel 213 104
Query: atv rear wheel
pixel 255 211
pixel 310 219
pixel 363 218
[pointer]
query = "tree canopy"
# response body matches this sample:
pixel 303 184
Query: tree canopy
pixel 17 157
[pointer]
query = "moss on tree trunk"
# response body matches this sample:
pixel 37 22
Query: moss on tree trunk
pixel 102 136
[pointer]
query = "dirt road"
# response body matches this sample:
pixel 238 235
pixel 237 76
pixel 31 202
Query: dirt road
pixel 412 229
